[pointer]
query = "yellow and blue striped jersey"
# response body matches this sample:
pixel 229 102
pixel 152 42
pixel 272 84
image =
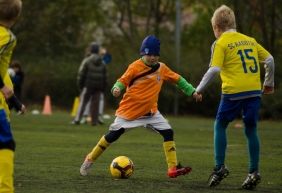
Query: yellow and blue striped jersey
pixel 7 45
pixel 238 56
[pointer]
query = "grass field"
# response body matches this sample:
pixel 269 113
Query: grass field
pixel 50 151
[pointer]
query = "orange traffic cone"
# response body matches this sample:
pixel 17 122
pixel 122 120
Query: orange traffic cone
pixel 47 106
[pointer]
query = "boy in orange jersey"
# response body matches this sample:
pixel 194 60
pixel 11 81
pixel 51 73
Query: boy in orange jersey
pixel 143 81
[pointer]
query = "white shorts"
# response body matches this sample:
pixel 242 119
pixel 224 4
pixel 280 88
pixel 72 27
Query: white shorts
pixel 157 121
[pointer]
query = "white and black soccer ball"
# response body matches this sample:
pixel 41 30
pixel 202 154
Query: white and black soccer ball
pixel 121 167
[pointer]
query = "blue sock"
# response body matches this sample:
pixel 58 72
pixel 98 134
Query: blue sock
pixel 220 142
pixel 254 148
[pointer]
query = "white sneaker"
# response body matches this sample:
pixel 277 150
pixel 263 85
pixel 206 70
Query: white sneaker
pixel 85 167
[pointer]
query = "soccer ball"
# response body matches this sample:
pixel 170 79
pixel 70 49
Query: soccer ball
pixel 121 167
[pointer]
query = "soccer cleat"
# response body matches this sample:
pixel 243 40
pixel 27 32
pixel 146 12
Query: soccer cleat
pixel 251 181
pixel 217 175
pixel 85 167
pixel 178 170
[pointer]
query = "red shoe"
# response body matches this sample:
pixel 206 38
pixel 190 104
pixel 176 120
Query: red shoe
pixel 178 170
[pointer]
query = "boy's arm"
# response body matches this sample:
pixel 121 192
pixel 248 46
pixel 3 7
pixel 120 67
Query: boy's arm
pixel 265 57
pixel 183 85
pixel 20 108
pixel 268 85
pixel 7 92
pixel 207 78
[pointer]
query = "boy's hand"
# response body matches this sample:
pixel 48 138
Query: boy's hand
pixel 116 92
pixel 268 90
pixel 23 110
pixel 197 96
pixel 7 92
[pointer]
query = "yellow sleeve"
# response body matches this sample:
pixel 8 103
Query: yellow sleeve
pixel 7 81
pixel 217 57
pixel 262 53
pixel 4 37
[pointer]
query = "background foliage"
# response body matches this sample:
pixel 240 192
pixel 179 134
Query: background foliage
pixel 53 35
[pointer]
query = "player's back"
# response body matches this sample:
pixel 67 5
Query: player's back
pixel 7 44
pixel 238 56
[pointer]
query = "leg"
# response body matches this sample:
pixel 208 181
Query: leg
pixel 220 142
pixel 87 109
pixel 159 124
pixel 253 146
pixel 101 104
pixel 103 143
pixel 169 147
pixel 7 148
pixel 250 117
pixel 84 98
pixel 7 170
pixel 220 171
pixel 100 147
pixel 227 111
pixel 86 113
pixel 94 107
pixel 174 169
pixel 101 108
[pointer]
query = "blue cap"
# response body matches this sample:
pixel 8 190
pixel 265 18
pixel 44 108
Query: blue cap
pixel 150 46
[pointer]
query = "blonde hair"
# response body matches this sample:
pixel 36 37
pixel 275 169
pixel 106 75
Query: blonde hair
pixel 10 9
pixel 224 18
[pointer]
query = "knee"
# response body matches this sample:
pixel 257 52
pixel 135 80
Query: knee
pixel 221 124
pixel 250 123
pixel 167 134
pixel 250 131
pixel 114 135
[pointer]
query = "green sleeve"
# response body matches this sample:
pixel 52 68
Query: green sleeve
pixel 183 85
pixel 119 85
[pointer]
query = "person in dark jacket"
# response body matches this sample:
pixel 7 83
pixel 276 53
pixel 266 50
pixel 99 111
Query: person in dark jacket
pixel 92 80
pixel 18 78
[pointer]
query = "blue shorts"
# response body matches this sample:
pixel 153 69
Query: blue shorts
pixel 229 109
pixel 6 137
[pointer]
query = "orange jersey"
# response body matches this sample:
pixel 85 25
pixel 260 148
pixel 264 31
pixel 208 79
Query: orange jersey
pixel 142 96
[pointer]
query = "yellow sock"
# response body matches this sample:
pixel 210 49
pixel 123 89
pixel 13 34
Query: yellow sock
pixel 170 153
pixel 98 149
pixel 6 171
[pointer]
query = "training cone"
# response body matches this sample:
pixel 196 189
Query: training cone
pixel 75 106
pixel 47 106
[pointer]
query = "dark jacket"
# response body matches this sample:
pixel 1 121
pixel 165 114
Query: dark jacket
pixel 92 73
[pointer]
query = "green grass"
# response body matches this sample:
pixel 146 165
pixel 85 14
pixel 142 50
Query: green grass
pixel 50 151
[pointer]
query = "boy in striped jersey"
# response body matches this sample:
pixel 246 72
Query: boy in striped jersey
pixel 9 12
pixel 142 81
pixel 236 57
